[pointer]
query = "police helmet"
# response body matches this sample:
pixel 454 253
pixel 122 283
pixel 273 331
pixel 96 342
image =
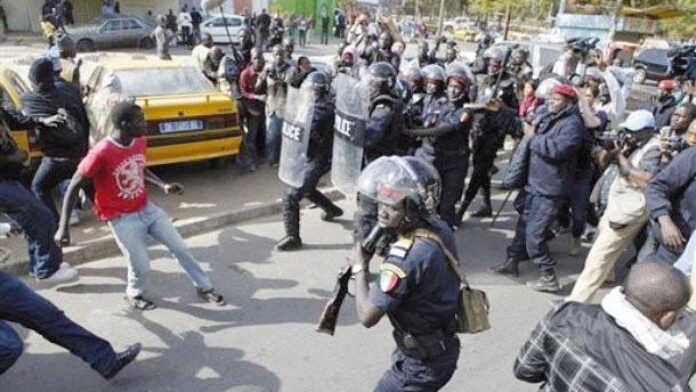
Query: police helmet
pixel 319 81
pixel 403 90
pixel 434 72
pixel 392 180
pixel 381 77
pixel 495 53
pixel 485 40
pixel 461 74
pixel 414 75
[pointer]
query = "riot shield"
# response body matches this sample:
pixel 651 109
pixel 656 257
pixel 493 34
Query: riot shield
pixel 297 125
pixel 352 113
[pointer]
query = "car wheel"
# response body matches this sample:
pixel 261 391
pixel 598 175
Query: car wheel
pixel 640 76
pixel 146 43
pixel 85 45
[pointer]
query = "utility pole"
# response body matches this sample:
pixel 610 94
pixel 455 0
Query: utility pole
pixel 442 17
pixel 418 10
pixel 615 20
pixel 507 21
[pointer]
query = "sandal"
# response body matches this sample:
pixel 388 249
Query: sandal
pixel 140 303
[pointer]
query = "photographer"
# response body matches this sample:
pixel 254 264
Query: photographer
pixel 275 78
pixel 637 156
pixel 672 137
pixel 671 199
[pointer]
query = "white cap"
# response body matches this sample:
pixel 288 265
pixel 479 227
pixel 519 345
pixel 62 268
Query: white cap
pixel 640 119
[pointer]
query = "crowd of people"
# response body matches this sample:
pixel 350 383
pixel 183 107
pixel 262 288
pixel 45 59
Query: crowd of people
pixel 402 136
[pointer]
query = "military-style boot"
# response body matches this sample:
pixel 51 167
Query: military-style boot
pixel 547 283
pixel 509 267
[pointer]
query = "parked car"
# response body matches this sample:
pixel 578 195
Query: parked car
pixel 117 31
pixel 187 118
pixel 651 64
pixel 459 23
pixel 215 26
pixel 11 89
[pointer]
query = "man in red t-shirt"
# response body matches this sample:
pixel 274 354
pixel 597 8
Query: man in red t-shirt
pixel 116 166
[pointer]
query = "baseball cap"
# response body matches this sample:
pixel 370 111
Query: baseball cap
pixel 640 119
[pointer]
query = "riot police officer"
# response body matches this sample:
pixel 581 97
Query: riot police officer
pixel 416 80
pixel 487 135
pixel 421 306
pixel 435 105
pixel 318 156
pixel 451 54
pixel 521 69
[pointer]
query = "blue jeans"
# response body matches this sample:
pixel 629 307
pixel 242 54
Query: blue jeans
pixel 131 231
pixel 19 304
pixel 49 174
pixel 38 224
pixel 533 225
pixel 274 126
pixel 579 201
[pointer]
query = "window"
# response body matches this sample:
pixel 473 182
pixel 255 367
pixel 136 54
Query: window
pixel 231 22
pixel 112 25
pixel 131 24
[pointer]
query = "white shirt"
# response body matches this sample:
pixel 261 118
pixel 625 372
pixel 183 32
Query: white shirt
pixel 199 53
pixel 184 19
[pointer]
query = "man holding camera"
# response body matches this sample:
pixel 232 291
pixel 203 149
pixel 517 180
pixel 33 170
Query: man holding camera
pixel 663 103
pixel 638 159
pixel 275 79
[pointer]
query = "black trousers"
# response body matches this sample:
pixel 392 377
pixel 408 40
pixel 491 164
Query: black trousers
pixel 452 169
pixel 291 201
pixel 482 160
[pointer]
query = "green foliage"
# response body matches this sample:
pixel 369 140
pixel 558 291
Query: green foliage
pixel 684 27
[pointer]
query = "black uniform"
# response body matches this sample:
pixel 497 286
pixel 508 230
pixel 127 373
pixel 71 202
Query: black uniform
pixel 487 136
pixel 383 137
pixel 419 292
pixel 319 155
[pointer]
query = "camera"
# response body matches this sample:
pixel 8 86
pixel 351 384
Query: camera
pixel 583 45
pixel 676 144
pixel 607 139
pixel 682 62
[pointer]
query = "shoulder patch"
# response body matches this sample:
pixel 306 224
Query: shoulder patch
pixel 389 277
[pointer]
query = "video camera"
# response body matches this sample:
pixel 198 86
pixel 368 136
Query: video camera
pixel 676 144
pixel 682 62
pixel 583 45
pixel 607 139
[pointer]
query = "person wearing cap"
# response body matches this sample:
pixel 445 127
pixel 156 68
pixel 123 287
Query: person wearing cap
pixel 638 160
pixel 663 103
pixel 555 140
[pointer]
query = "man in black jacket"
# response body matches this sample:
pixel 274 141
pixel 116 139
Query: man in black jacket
pixel 618 346
pixel 45 258
pixel 62 146
pixel 662 105
pixel 555 141
pixel 263 24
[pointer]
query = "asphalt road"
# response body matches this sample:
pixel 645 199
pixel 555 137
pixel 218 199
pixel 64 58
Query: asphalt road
pixel 263 340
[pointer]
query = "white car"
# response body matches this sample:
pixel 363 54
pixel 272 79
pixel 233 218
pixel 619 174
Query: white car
pixel 215 26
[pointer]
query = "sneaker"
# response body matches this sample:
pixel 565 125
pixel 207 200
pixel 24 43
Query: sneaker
pixel 288 243
pixel 329 216
pixel 62 275
pixel 483 212
pixel 547 283
pixel 574 247
pixel 211 296
pixel 74 218
pixel 122 360
pixel 509 267
pixel 139 302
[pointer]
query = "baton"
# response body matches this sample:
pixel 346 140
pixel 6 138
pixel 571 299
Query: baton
pixel 500 209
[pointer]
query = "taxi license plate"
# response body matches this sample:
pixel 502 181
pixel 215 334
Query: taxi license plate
pixel 181 126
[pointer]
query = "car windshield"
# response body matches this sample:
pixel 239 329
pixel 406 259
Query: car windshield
pixel 163 81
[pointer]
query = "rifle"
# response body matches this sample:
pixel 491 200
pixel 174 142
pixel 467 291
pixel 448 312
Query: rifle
pixel 329 316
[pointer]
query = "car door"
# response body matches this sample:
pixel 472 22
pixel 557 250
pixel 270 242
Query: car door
pixel 110 33
pixel 132 32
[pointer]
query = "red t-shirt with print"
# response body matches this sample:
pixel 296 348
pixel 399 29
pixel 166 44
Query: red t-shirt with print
pixel 118 173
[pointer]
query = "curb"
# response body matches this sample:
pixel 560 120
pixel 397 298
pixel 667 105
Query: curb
pixel 106 247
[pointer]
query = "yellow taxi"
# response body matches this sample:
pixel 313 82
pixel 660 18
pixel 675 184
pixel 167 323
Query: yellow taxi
pixel 11 89
pixel 187 118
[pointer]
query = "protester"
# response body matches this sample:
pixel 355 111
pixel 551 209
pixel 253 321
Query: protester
pixel 325 26
pixel 200 52
pixel 196 20
pixel 626 212
pixel 19 304
pixel 302 27
pixel 211 65
pixel 275 79
pixel 116 166
pixel 70 69
pixel 555 141
pixel 62 146
pixel 254 104
pixel 621 345
pixel 263 24
pixel 663 103
pixel 185 23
